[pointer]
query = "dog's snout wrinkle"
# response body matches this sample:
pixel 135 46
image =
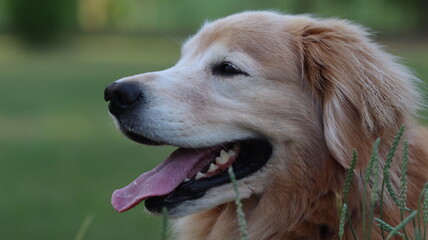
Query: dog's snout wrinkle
pixel 121 96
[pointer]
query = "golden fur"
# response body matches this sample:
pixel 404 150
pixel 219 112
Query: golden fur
pixel 342 92
pixel 315 89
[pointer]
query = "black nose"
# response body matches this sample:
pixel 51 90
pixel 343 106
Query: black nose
pixel 121 96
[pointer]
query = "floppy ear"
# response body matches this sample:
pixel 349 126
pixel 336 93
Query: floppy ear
pixel 364 94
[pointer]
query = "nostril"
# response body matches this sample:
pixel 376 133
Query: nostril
pixel 121 96
pixel 123 93
pixel 126 93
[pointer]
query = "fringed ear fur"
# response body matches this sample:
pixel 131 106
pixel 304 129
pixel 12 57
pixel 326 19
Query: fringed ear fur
pixel 363 92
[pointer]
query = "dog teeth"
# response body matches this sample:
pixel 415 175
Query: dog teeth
pixel 220 161
pixel 199 175
pixel 224 154
pixel 212 168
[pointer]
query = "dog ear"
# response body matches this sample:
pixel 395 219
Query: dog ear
pixel 364 94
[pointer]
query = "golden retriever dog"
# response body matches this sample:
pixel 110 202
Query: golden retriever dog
pixel 283 100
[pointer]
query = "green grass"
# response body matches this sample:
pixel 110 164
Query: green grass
pixel 60 154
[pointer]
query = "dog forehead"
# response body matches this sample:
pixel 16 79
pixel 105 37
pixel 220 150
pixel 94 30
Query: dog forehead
pixel 236 31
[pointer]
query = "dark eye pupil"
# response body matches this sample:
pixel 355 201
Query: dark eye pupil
pixel 228 68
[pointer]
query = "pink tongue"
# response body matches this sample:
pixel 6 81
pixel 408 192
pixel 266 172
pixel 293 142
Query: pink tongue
pixel 164 178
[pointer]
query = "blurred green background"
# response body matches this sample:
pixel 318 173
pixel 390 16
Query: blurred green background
pixel 60 154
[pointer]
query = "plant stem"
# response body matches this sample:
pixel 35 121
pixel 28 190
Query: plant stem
pixel 240 213
pixel 402 224
pixel 403 186
pixel 164 230
pixel 342 220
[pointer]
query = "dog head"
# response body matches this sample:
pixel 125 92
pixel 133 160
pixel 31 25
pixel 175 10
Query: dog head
pixel 268 94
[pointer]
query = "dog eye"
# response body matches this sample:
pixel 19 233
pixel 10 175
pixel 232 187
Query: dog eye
pixel 227 69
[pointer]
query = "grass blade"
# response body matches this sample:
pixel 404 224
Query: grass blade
pixel 403 178
pixel 421 203
pixel 402 224
pixel 241 217
pixel 342 220
pixel 425 210
pixel 84 227
pixel 371 178
pixel 386 180
pixel 385 226
pixel 350 175
pixel 164 229
pixel 348 180
pixel 397 139
pixel 403 183
pixel 391 154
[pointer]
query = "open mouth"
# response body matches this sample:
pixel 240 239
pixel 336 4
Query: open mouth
pixel 187 174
